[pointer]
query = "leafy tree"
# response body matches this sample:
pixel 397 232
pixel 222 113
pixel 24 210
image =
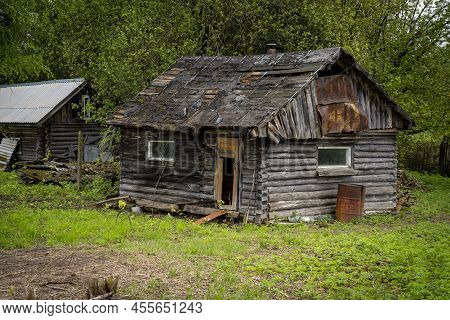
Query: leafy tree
pixel 21 56
pixel 119 46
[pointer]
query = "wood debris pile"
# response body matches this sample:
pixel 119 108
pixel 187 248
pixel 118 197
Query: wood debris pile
pixel 56 172
pixel 406 183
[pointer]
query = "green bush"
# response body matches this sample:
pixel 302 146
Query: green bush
pixel 419 152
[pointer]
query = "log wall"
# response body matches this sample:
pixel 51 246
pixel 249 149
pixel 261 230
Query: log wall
pixel 63 139
pixel 190 178
pixel 277 180
pixel 294 187
pixel 32 142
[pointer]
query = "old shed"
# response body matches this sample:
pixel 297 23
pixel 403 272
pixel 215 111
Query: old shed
pixel 45 117
pixel 265 136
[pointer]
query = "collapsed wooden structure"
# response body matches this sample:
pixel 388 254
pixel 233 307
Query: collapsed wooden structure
pixel 42 117
pixel 265 136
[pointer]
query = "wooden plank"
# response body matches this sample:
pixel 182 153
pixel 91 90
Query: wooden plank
pixel 262 131
pixel 291 120
pixel 211 216
pixel 286 123
pixel 254 132
pixel 314 103
pixel 279 127
pixel 388 117
pixel 305 116
pixel 273 133
pixel 313 122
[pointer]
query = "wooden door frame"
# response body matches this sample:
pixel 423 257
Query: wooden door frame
pixel 227 147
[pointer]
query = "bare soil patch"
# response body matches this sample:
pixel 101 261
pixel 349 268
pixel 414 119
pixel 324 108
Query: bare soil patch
pixel 61 273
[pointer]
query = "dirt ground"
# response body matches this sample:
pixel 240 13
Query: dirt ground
pixel 61 273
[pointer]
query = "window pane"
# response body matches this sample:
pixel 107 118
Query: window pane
pixel 332 157
pixel 162 150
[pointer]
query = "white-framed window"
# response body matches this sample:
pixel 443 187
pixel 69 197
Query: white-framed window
pixel 161 150
pixel 85 99
pixel 331 156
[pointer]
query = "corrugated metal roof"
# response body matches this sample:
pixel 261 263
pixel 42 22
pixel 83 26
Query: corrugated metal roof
pixel 29 103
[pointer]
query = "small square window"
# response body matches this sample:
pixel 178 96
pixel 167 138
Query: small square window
pixel 161 150
pixel 334 157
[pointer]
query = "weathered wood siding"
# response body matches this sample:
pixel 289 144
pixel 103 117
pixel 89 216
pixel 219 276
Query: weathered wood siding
pixel 32 142
pixel 63 139
pixel 300 118
pixel 252 193
pixel 66 114
pixel 294 186
pixel 190 178
pixel 380 113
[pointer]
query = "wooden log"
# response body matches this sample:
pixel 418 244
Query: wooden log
pixel 373 160
pixel 294 168
pixel 290 175
pixel 383 177
pixel 374 165
pixel 376 148
pixel 368 154
pixel 281 214
pixel 292 156
pixel 170 192
pixel 288 162
pixel 303 204
pixel 290 147
pixel 297 197
pixel 322 186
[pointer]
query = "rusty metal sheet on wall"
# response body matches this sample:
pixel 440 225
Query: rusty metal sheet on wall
pixel 335 89
pixel 342 117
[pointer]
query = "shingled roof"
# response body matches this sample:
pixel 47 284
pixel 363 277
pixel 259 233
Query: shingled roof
pixel 226 91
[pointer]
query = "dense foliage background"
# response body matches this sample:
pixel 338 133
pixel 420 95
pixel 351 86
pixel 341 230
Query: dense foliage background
pixel 119 46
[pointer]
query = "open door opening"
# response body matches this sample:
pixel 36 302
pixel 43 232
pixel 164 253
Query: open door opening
pixel 227 173
pixel 227 181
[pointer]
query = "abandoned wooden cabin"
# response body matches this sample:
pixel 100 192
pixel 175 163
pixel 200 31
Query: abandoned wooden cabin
pixel 42 118
pixel 266 136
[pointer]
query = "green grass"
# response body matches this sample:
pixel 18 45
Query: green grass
pixel 402 256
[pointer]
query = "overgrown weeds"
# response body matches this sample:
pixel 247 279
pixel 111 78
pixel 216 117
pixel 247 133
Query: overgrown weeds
pixel 386 256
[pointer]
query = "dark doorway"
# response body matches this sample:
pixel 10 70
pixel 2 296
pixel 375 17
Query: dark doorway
pixel 227 181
